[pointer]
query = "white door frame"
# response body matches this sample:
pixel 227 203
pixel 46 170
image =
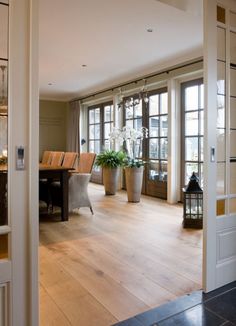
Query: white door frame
pixel 21 270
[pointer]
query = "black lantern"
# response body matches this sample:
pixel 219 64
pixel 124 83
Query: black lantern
pixel 193 204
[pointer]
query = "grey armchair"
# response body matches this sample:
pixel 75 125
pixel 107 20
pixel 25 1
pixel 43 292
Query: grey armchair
pixel 78 184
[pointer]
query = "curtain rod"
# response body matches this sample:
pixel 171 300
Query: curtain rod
pixel 135 81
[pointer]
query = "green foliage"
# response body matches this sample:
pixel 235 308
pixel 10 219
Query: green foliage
pixel 110 159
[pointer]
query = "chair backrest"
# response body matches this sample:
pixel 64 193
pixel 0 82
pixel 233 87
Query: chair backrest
pixel 86 161
pixel 47 157
pixel 69 160
pixel 57 158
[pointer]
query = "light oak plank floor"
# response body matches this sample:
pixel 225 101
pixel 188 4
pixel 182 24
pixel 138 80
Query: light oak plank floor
pixel 126 259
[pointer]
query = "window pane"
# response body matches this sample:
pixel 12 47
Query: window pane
pixel 154 126
pixel 153 148
pixel 138 110
pixel 191 149
pixel 153 104
pixel 221 78
pixel 153 170
pixel 4 32
pixel 97 131
pixel 220 134
pixel 97 148
pixel 164 126
pixel 91 146
pixel 107 130
pixel 91 116
pixel 107 145
pixel 137 124
pixel 129 113
pixel 232 205
pixel 191 98
pixel 191 124
pixel 97 115
pixel 220 183
pixel 233 178
pixel 233 143
pixel 221 111
pixel 163 103
pixel 164 148
pixel 91 132
pixel 189 169
pixel 130 123
pixel 163 171
pixel 107 113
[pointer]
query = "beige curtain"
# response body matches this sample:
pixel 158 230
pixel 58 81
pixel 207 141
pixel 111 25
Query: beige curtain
pixel 73 128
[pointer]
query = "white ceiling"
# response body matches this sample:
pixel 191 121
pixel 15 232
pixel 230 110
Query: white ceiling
pixel 111 38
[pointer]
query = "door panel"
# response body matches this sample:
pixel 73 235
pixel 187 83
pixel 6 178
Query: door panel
pixel 219 169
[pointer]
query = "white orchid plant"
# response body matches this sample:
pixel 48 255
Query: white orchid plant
pixel 131 141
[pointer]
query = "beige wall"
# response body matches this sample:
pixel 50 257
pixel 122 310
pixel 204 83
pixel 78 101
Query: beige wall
pixel 52 125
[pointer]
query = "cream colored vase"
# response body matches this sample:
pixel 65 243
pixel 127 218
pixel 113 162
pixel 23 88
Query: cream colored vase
pixel 134 181
pixel 110 180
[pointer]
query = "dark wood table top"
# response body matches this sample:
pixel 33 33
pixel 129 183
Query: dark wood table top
pixel 46 167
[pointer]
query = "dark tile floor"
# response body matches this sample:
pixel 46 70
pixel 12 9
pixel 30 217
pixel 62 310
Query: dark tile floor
pixel 217 308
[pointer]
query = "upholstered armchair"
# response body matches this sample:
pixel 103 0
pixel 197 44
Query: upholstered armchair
pixel 78 184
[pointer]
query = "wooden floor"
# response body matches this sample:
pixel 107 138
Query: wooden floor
pixel 126 259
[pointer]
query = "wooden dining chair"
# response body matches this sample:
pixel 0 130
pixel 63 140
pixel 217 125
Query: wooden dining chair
pixel 47 157
pixel 44 185
pixel 70 160
pixel 57 158
pixel 78 184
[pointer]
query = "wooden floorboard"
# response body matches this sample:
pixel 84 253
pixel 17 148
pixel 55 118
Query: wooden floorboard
pixel 123 260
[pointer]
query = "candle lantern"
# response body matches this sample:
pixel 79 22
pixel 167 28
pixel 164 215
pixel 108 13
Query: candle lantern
pixel 193 204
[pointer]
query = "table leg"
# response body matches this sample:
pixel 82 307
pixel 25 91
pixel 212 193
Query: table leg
pixel 64 195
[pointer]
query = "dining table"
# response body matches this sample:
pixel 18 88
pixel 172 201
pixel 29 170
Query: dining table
pixel 61 174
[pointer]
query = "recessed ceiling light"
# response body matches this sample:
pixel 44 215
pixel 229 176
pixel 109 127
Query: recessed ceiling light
pixel 149 30
pixel 84 66
pixel 49 84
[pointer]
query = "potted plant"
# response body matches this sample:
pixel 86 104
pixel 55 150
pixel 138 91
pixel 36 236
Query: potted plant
pixel 131 140
pixel 110 161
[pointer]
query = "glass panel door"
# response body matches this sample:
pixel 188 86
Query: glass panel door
pixel 154 116
pixel 157 144
pixel 100 124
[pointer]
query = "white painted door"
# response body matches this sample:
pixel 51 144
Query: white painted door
pixel 219 266
pixel 19 193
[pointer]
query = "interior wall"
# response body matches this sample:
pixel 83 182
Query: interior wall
pixel 52 126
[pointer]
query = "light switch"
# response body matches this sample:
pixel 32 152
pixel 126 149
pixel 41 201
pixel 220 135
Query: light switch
pixel 20 158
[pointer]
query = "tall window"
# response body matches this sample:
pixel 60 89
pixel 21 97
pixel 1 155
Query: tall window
pixel 158 132
pixel 94 138
pixel 192 129
pixel 154 116
pixel 100 124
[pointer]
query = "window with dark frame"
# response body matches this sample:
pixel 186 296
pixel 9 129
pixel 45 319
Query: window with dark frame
pixel 192 130
pixel 154 116
pixel 100 124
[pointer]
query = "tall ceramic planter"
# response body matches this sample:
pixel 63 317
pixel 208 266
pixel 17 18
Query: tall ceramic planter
pixel 110 180
pixel 134 181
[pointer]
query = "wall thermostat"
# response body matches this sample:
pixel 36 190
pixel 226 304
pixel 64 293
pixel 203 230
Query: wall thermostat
pixel 20 158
